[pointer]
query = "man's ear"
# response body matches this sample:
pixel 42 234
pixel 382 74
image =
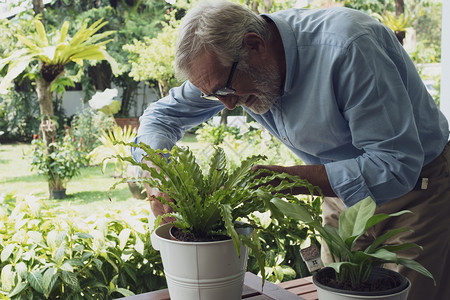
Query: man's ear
pixel 254 44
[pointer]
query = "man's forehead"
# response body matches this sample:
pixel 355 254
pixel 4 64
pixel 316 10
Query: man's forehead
pixel 206 71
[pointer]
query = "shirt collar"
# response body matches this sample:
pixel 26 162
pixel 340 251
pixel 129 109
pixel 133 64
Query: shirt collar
pixel 290 49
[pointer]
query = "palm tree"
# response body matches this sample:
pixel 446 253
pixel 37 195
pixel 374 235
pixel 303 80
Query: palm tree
pixel 52 54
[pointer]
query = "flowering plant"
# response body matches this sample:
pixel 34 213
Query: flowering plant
pixel 62 161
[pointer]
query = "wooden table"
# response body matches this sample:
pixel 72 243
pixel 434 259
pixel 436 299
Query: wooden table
pixel 297 289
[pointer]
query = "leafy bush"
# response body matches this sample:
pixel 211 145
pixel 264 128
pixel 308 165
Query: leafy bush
pixel 51 254
pixel 250 140
pixel 283 242
pixel 109 147
pixel 89 124
pixel 19 116
pixel 209 133
pixel 62 163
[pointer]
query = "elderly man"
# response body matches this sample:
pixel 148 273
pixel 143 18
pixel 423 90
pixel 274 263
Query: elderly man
pixel 338 89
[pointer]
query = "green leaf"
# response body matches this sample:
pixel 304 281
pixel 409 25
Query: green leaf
pixel 7 251
pixel 292 210
pixel 17 289
pixel 413 265
pixel 70 279
pixel 7 277
pixel 353 220
pixel 383 238
pixel 41 34
pixel 48 278
pixel 229 225
pixel 123 291
pixel 123 238
pixel 35 279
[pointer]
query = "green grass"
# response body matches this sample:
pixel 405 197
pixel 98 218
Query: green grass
pixel 86 193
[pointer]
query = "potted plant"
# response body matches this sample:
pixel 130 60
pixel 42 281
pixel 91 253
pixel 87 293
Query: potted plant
pixel 204 250
pixel 64 160
pixel 357 273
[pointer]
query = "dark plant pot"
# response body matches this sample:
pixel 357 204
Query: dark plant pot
pixel 399 292
pixel 58 194
pixel 125 122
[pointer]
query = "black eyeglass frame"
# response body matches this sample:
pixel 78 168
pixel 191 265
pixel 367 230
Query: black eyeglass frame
pixel 227 90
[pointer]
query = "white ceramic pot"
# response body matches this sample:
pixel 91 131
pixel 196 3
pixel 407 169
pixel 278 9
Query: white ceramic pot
pixel 327 293
pixel 201 270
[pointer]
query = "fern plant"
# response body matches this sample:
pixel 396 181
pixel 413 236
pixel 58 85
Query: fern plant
pixel 209 202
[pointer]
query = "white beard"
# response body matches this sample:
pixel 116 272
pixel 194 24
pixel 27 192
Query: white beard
pixel 268 84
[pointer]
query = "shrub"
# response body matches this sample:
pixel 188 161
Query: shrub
pixel 18 116
pixel 51 254
pixel 62 163
pixel 89 124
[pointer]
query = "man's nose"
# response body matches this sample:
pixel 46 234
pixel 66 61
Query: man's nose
pixel 229 102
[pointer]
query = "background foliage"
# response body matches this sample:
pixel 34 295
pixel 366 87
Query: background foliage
pixel 51 254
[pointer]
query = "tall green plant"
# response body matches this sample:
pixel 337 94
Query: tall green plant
pixel 111 147
pixel 349 264
pixel 52 53
pixel 153 58
pixel 209 202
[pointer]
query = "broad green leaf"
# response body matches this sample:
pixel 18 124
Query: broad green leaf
pixel 416 267
pixel 21 269
pixel 383 238
pixel 14 70
pixel 7 277
pixel 7 251
pixel 36 281
pixel 338 265
pixel 47 279
pixel 292 210
pixel 63 32
pixel 59 254
pixel 353 220
pixel 381 217
pixel 123 238
pixel 27 42
pixel 70 279
pixel 17 289
pixel 384 255
pixel 139 246
pixel 41 34
pixel 123 291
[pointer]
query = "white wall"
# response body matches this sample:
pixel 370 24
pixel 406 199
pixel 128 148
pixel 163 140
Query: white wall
pixel 73 101
pixel 445 59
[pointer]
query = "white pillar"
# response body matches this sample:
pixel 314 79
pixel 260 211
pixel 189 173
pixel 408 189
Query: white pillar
pixel 445 59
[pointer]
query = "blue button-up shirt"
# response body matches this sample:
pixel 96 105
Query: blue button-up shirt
pixel 352 100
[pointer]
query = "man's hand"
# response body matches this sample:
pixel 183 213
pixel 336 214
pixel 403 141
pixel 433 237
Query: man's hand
pixel 314 174
pixel 158 208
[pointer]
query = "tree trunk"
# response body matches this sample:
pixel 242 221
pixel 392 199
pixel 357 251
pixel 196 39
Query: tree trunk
pixel 47 127
pixel 38 8
pixel 400 9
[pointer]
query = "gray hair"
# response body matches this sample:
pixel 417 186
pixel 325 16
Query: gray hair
pixel 217 26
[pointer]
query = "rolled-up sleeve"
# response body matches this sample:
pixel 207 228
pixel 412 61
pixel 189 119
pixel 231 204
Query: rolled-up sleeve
pixel 165 121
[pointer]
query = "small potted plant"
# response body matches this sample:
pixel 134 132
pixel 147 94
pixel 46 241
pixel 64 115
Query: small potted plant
pixel 357 274
pixel 61 161
pixel 204 251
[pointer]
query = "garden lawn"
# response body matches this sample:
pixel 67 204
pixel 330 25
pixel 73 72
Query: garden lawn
pixel 86 193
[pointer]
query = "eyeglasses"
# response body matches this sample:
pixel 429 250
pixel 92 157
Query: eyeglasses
pixel 226 91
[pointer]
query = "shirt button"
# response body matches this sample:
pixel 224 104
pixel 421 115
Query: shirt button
pixel 284 138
